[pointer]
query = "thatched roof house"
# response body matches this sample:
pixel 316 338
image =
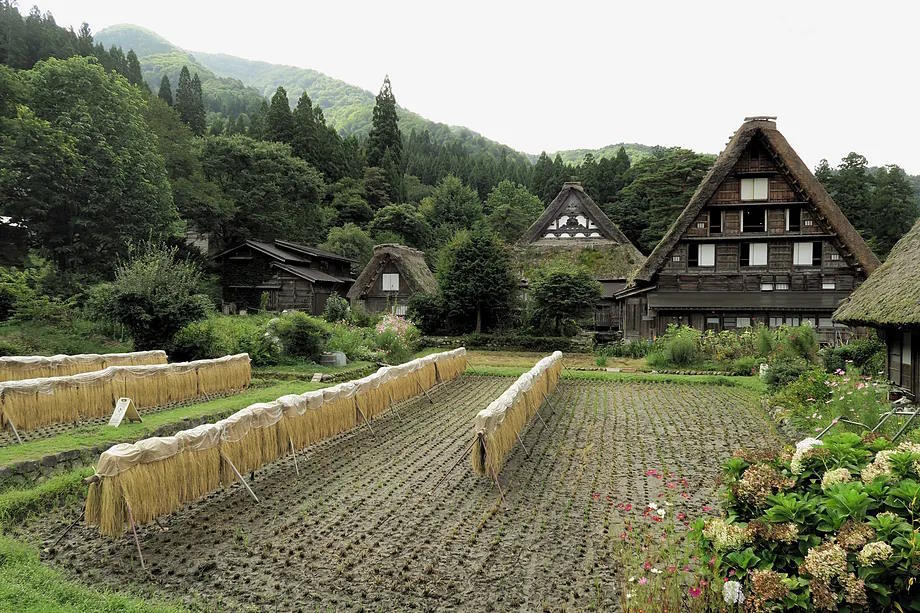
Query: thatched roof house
pixel 394 274
pixel 574 232
pixel 760 241
pixel 889 301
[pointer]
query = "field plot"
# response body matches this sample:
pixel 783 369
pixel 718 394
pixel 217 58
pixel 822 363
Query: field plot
pixel 358 530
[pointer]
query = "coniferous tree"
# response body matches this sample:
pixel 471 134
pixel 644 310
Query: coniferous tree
pixel 85 40
pixel 165 93
pixel 184 99
pixel 135 77
pixel 197 123
pixel 384 142
pixel 279 125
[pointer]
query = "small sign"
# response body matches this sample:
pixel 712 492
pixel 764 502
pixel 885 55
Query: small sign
pixel 317 377
pixel 124 408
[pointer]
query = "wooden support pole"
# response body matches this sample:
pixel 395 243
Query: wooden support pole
pixel 498 485
pixel 366 422
pixel 240 477
pixel 294 453
pixel 455 464
pixel 137 541
pixel 13 428
pixel 522 444
pixel 424 391
pixel 66 532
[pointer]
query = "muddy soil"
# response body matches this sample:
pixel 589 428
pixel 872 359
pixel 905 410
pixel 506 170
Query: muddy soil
pixel 363 529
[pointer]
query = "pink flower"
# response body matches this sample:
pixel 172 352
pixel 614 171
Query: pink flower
pixel 647 565
pixel 707 508
pixel 695 592
pixel 643 581
pixel 627 507
pixel 681 516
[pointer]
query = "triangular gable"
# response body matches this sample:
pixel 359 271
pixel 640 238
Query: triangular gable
pixel 409 262
pixel 587 219
pixel 796 173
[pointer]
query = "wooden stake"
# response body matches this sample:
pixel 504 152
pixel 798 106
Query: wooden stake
pixel 498 485
pixel 137 541
pixel 294 453
pixel 366 422
pixel 419 383
pixel 522 444
pixel 65 533
pixel 15 431
pixel 451 469
pixel 240 477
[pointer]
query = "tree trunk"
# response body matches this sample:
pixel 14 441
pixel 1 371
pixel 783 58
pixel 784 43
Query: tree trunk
pixel 478 320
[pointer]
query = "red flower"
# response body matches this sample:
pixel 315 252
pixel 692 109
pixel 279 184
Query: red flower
pixel 627 507
pixel 707 508
pixel 647 565
pixel 681 516
pixel 695 592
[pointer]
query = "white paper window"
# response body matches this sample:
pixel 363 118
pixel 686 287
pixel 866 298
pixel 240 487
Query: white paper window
pixel 766 287
pixel 808 321
pixel 755 189
pixel 707 254
pixel 907 350
pixel 701 224
pixel 835 257
pixel 776 322
pixel 675 258
pixel 828 285
pixel 743 322
pixel 782 285
pixel 400 310
pixel 802 254
pixel 391 282
pixel 825 322
pixel 758 254
pixel 792 321
pixel 712 320
pixel 808 222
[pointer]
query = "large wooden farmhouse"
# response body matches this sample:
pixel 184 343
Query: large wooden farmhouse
pixel 292 276
pixel 391 278
pixel 760 241
pixel 889 301
pixel 574 232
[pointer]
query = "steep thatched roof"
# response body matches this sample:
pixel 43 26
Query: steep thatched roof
pixel 796 172
pixel 410 263
pixel 610 256
pixel 891 294
pixel 572 190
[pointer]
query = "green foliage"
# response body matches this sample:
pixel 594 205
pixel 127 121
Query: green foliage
pixel 154 295
pixel 336 309
pixel 276 194
pixel 301 335
pixel 279 125
pixel 868 355
pixel 511 209
pixel 561 294
pixel 475 277
pixel 429 312
pixel 452 207
pixel 396 337
pixel 80 168
pixel 832 523
pixel 518 341
pixel 352 242
pixel 678 346
pixel 219 335
pixel 404 221
pixel 638 348
pixel 785 369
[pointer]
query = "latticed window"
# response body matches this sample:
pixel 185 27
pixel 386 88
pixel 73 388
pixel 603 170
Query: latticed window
pixel 391 282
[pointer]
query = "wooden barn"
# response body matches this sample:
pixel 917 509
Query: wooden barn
pixel 574 232
pixel 391 278
pixel 293 276
pixel 889 301
pixel 760 241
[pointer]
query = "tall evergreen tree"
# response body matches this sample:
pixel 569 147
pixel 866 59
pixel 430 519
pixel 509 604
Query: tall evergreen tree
pixel 384 132
pixel 279 125
pixel 135 77
pixel 165 93
pixel 197 123
pixel 185 103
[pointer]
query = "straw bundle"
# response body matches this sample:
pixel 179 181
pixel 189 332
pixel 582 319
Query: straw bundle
pixel 17 368
pixel 32 403
pixel 498 425
pixel 156 476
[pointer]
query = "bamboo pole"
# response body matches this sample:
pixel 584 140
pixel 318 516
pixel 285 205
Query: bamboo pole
pixel 15 431
pixel 239 476
pixel 294 453
pixel 137 541
pixel 450 470
pixel 366 423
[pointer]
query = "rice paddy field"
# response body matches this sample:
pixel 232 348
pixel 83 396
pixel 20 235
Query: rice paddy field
pixel 395 518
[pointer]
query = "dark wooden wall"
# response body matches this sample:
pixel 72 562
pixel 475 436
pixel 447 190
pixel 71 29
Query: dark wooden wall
pixel 903 357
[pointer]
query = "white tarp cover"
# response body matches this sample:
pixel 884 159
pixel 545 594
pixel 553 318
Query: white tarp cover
pixel 488 419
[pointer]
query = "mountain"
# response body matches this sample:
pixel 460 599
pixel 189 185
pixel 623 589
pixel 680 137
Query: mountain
pixel 635 151
pixel 232 85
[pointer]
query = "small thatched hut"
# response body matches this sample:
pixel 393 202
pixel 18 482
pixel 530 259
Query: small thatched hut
pixel 889 301
pixel 391 278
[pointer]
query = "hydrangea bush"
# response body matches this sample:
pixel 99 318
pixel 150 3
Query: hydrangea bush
pixel 830 526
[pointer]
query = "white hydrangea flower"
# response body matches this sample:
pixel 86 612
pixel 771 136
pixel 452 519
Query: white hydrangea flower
pixel 731 592
pixel 801 448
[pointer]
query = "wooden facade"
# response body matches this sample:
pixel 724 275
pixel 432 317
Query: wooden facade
pixel 574 232
pixel 760 242
pixel 394 274
pixel 292 276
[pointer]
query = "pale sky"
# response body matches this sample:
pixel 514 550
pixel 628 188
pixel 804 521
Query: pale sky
pixel 841 76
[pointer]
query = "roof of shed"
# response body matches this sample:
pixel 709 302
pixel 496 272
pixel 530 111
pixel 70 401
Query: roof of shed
pixel 410 263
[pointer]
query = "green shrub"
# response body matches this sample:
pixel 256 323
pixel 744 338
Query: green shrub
pixel 745 366
pixel 626 349
pixel 301 335
pixel 10 347
pixel 336 309
pixel 429 313
pixel 356 343
pixel 360 317
pixel 7 302
pixel 221 335
pixel 784 370
pixel 800 341
pixel 763 342
pixel 397 338
pixel 517 341
pixel 679 346
pixel 601 360
pixel 832 526
pixel 866 354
